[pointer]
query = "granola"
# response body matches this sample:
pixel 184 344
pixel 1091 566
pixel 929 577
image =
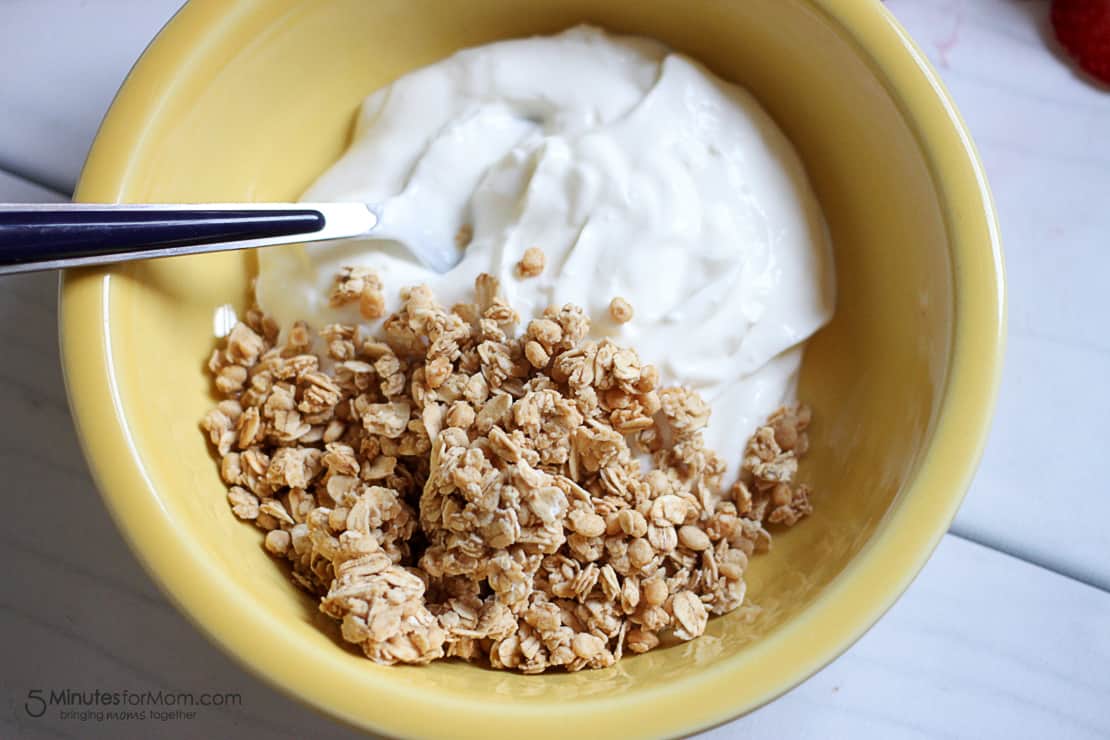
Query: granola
pixel 531 263
pixel 464 487
pixel 620 310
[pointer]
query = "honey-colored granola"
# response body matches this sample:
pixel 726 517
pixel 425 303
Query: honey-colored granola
pixel 620 310
pixel 458 487
pixel 531 263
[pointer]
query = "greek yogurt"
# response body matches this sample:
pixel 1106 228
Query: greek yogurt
pixel 638 173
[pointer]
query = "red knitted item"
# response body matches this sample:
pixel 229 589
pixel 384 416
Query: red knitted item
pixel 1083 28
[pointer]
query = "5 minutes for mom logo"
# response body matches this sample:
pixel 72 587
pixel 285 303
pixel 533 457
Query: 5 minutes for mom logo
pixel 98 705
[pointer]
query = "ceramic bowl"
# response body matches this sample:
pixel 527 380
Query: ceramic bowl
pixel 252 100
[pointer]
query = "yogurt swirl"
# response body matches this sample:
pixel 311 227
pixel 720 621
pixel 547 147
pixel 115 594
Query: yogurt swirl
pixel 638 173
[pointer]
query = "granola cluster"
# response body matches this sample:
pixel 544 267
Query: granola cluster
pixel 458 487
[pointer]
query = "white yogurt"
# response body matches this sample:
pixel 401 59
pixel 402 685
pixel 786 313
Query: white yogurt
pixel 638 173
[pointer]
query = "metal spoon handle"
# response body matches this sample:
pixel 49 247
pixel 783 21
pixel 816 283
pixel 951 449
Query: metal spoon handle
pixel 50 235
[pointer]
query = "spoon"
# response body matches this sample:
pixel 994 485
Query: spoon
pixel 51 236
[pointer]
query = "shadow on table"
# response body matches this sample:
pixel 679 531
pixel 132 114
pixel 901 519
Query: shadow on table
pixel 76 610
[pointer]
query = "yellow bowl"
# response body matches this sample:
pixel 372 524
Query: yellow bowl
pixel 250 100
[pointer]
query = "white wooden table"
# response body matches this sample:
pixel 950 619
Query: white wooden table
pixel 1005 634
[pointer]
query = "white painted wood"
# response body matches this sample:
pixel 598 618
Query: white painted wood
pixel 1043 490
pixel 61 62
pixel 981 646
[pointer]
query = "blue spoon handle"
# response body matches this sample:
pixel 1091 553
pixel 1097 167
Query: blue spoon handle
pixel 38 237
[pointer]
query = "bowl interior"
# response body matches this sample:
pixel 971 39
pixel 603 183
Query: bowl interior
pixel 251 102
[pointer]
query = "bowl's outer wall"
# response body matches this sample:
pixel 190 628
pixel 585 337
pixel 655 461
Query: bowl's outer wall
pixel 251 100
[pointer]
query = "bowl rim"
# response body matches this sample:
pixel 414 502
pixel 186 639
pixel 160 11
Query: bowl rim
pixel 849 606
